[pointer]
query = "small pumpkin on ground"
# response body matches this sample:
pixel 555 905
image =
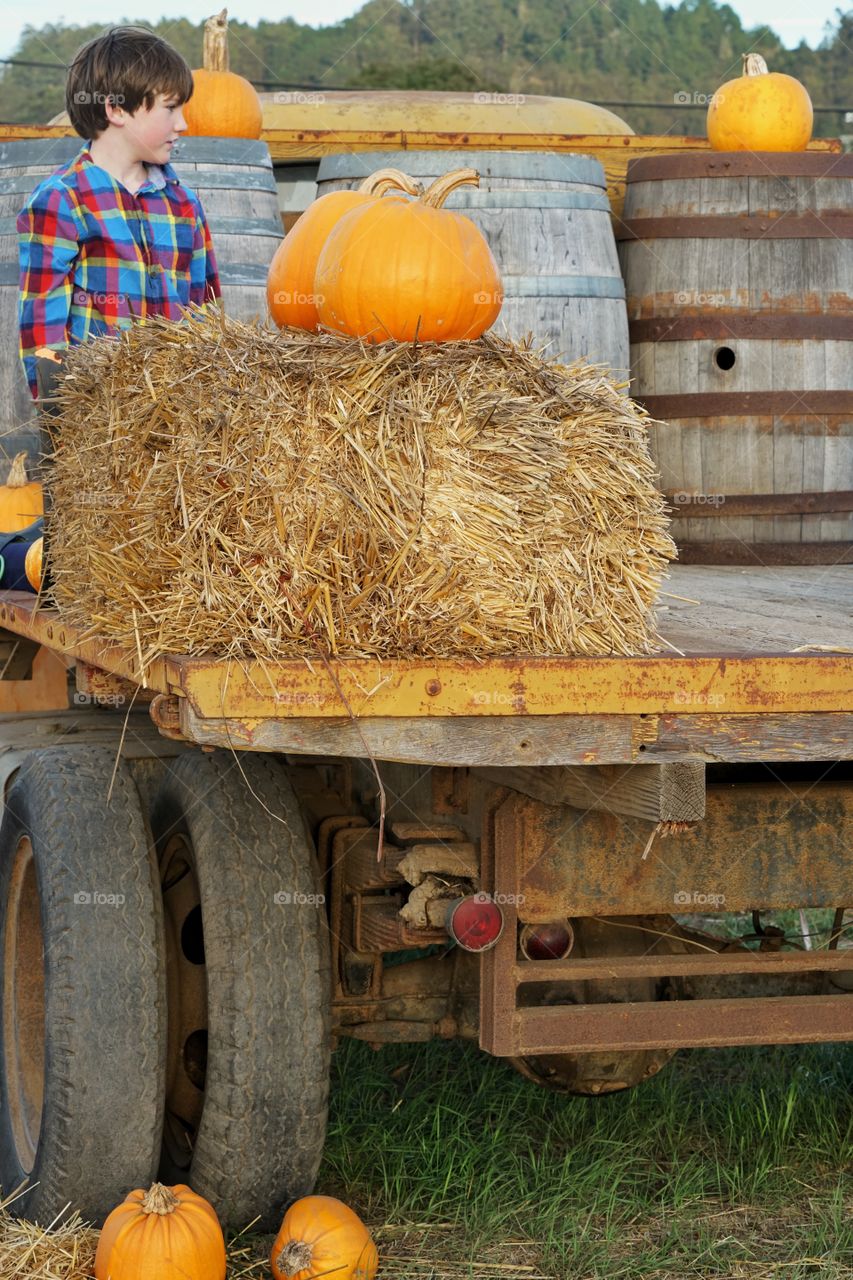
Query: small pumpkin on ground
pixel 403 269
pixel 223 105
pixel 321 1236
pixel 21 499
pixel 760 111
pixel 290 282
pixel 165 1233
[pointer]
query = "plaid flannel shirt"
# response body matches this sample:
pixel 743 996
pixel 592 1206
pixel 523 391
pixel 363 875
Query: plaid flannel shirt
pixel 95 258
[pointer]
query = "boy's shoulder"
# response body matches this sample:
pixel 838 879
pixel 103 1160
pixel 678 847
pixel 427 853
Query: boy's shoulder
pixel 82 182
pixel 64 179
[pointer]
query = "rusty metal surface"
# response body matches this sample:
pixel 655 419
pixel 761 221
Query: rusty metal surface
pixel 794 840
pixel 688 965
pixel 676 1023
pixel 544 686
pixel 378 926
pixel 685 327
pixel 19 612
pixel 759 404
pixel 784 226
pixel 764 553
pixel 764 846
pixel 753 164
pixel 687 507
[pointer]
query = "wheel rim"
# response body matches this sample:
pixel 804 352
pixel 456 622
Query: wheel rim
pixel 24 1035
pixel 187 999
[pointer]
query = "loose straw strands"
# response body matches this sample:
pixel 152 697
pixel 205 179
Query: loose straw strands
pixel 220 488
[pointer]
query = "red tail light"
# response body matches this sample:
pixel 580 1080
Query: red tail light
pixel 551 941
pixel 475 923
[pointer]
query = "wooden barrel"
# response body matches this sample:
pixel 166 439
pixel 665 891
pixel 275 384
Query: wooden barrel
pixel 233 178
pixel 739 276
pixel 547 221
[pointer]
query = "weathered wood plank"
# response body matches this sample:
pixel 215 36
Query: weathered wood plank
pixel 539 740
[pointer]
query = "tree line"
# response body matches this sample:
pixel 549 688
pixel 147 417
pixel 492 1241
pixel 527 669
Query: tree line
pixel 631 50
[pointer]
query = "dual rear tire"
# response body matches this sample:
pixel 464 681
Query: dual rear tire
pixel 165 986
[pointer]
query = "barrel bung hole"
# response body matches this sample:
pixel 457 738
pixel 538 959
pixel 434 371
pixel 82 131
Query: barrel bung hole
pixel 724 358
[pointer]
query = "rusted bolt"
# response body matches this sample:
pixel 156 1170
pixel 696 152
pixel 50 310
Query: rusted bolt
pixel 433 687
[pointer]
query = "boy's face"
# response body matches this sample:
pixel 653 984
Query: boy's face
pixel 152 131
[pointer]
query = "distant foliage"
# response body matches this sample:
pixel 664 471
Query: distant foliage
pixel 635 50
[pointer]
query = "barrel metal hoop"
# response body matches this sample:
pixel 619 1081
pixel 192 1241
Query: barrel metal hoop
pixel 563 286
pixel 765 553
pixel 208 179
pixel 243 273
pixel 686 506
pixel 532 165
pixel 229 273
pixel 748 164
pixel 787 226
pixel 222 151
pixel 738 404
pixel 741 324
pixel 533 199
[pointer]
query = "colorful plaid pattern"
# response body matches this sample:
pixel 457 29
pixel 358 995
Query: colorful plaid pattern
pixel 94 258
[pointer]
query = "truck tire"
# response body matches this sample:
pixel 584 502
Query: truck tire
pixel 83 1027
pixel 234 825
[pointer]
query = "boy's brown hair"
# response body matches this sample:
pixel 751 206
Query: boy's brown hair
pixel 127 66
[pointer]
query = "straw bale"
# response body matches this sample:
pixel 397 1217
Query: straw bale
pixel 221 488
pixel 64 1251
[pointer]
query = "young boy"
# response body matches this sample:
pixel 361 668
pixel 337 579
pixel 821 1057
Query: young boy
pixel 113 236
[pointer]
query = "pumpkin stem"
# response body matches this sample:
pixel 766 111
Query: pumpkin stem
pixel 295 1257
pixel 754 64
pixel 17 476
pixel 436 194
pixel 390 180
pixel 159 1199
pixel 215 51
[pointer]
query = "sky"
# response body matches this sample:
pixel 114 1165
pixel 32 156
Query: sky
pixel 792 20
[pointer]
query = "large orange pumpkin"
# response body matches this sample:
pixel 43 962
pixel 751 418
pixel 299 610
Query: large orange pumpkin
pixel 21 499
pixel 165 1233
pixel 290 282
pixel 760 111
pixel 223 105
pixel 409 269
pixel 321 1236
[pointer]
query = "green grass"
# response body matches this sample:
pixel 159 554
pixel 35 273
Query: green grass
pixel 729 1163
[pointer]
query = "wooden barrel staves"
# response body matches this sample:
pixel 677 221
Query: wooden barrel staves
pixel 739 277
pixel 546 218
pixel 234 179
